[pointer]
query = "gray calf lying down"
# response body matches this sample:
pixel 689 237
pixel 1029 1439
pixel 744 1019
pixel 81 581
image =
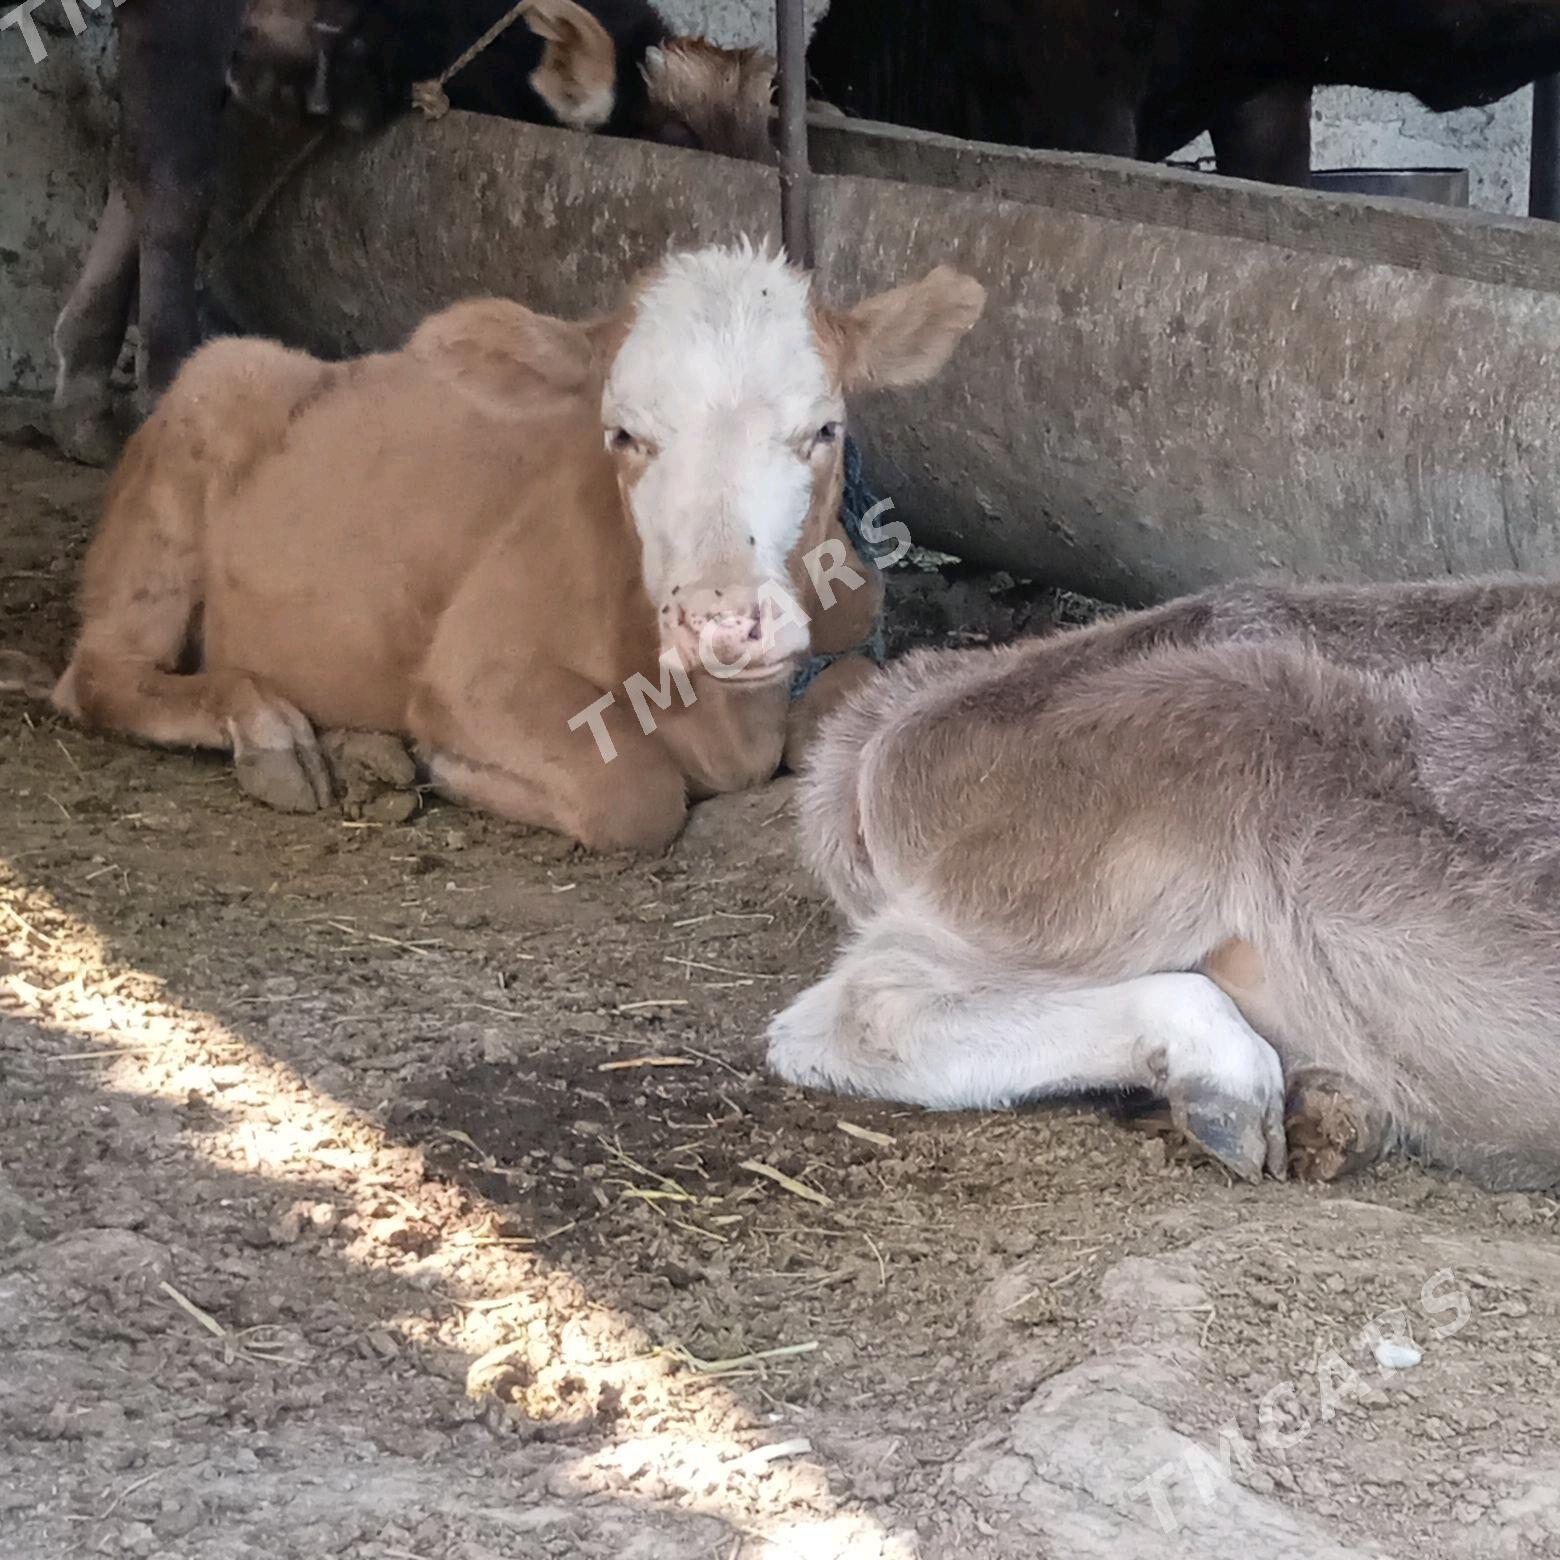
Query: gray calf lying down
pixel 1288 858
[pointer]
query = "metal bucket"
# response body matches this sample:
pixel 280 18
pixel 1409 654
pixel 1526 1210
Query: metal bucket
pixel 1439 186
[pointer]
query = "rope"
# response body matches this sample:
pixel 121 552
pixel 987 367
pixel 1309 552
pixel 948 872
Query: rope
pixel 856 503
pixel 251 218
pixel 429 97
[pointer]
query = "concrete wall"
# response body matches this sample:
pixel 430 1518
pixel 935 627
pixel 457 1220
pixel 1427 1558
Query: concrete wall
pixel 1358 129
pixel 55 128
pixel 55 119
pixel 735 23
pixel 1179 379
pixel 56 123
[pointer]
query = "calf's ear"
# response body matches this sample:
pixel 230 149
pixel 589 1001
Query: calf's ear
pixel 902 337
pixel 503 354
pixel 577 78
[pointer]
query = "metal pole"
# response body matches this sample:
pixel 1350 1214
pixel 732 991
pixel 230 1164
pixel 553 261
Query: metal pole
pixel 795 193
pixel 1544 185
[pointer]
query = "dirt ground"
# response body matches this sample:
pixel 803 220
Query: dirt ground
pixel 417 1191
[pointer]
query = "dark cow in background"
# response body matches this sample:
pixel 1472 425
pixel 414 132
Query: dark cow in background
pixel 591 60
pixel 610 66
pixel 1141 78
pixel 172 58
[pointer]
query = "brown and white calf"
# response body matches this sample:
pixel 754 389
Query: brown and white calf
pixel 493 541
pixel 1254 843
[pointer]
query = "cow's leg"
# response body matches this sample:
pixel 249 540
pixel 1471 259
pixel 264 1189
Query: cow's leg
pixel 89 334
pixel 144 592
pixel 1266 137
pixel 1333 1125
pixel 500 739
pixel 275 754
pixel 173 59
pixel 911 1013
pixel 121 678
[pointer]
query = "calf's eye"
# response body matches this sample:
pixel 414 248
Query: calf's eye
pixel 829 433
pixel 621 439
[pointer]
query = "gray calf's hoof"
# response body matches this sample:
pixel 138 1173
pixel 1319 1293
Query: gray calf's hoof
pixel 1246 1136
pixel 1332 1130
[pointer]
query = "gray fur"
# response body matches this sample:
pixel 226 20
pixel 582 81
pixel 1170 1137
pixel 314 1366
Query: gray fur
pixel 1361 783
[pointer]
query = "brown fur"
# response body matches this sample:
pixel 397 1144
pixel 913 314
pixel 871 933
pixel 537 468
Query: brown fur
pixel 1343 804
pixel 577 75
pixel 722 96
pixel 432 542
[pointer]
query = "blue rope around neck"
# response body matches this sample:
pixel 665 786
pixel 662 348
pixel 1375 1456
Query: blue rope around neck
pixel 856 504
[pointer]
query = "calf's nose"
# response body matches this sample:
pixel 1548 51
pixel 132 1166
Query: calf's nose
pixel 727 631
pixel 722 640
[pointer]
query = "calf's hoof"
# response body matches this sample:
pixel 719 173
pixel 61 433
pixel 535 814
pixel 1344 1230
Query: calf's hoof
pixel 86 434
pixel 375 777
pixel 281 778
pixel 1332 1131
pixel 1245 1135
pixel 278 762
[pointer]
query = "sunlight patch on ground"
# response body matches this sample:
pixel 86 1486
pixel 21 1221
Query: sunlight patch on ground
pixel 537 1344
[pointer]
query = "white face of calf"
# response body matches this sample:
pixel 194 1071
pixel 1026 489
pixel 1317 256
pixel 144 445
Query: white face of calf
pixel 724 412
pixel 722 416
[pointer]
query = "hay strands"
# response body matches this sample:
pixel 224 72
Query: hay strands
pixel 644 1061
pixel 794 1187
pixel 739 1364
pixel 866 1134
pixel 485 1162
pixel 249 1345
pixel 664 1189
pixel 762 1456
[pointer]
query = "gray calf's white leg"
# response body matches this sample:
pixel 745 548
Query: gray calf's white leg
pixel 912 1017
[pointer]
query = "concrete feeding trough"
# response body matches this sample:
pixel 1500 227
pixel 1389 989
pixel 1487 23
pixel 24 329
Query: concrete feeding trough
pixel 1179 379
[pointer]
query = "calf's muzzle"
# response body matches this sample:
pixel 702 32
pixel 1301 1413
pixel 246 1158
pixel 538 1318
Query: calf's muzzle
pixel 737 633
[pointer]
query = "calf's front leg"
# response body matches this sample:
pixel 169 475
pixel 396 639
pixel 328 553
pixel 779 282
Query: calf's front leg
pixel 275 754
pixel 501 740
pixel 909 1014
